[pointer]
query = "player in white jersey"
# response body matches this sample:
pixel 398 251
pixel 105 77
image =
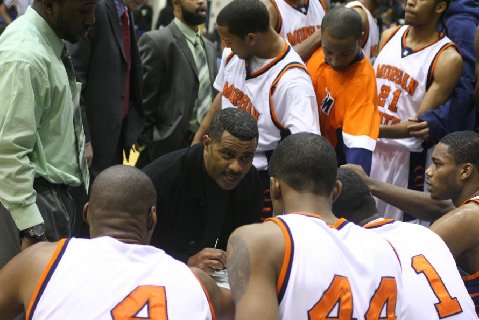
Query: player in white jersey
pixel 370 41
pixel 298 21
pixel 416 70
pixel 306 263
pixel 432 284
pixel 114 275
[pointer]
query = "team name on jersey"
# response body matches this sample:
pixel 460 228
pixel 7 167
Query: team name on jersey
pixel 239 99
pixel 398 76
pixel 299 35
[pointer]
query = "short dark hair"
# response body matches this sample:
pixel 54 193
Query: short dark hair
pixel 244 16
pixel 355 202
pixel 463 146
pixel 343 22
pixel 306 162
pixel 239 123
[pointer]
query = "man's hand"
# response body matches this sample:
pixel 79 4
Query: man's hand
pixel 88 153
pixel 28 242
pixel 359 170
pixel 209 260
pixel 418 129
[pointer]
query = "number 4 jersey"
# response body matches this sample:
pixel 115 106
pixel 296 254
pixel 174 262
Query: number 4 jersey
pixel 336 272
pixel 104 278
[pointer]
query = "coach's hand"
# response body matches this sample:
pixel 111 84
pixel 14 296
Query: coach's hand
pixel 209 260
pixel 418 129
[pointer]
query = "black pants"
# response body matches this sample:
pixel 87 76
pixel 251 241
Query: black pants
pixel 57 209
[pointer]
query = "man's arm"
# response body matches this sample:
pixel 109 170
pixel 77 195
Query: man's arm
pixel 19 278
pixel 255 255
pixel 4 14
pixel 459 229
pixel 20 114
pixel 476 49
pixel 220 298
pixel 416 203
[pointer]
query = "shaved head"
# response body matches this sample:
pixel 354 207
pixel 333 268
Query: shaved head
pixel 122 198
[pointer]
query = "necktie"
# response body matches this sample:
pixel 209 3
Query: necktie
pixel 125 30
pixel 204 87
pixel 77 121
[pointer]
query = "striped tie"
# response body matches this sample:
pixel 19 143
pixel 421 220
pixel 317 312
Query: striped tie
pixel 204 88
pixel 77 121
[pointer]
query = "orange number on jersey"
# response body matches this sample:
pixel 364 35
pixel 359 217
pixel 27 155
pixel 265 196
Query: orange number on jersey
pixel 385 295
pixel 339 291
pixel 447 306
pixel 153 298
pixel 384 94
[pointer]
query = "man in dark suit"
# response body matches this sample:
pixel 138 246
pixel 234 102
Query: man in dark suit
pixel 179 67
pixel 108 64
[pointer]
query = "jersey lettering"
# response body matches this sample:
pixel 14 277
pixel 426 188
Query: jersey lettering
pixel 447 306
pixel 239 99
pixel 149 298
pixel 339 294
pixel 298 36
pixel 397 76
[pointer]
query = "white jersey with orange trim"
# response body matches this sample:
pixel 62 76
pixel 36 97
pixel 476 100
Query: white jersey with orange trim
pixel 278 93
pixel 297 22
pixel 431 281
pixel 341 271
pixel 403 76
pixel 104 278
pixel 370 41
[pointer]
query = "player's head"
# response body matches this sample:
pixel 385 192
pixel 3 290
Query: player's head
pixel 191 12
pixel 69 19
pixel 424 12
pixel 306 163
pixel 355 202
pixel 341 31
pixel 122 205
pixel 455 166
pixel 239 24
pixel 230 144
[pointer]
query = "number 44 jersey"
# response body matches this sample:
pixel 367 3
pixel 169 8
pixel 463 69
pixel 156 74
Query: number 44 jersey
pixel 104 278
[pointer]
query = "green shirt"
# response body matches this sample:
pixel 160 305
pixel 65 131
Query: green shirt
pixel 37 137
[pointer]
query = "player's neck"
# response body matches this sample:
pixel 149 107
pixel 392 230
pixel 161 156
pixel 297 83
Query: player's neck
pixel 421 36
pixel 274 44
pixel 309 203
pixel 467 193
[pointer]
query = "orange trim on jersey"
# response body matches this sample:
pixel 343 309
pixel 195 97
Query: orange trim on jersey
pixel 434 61
pixel 279 23
pixel 473 199
pixel 472 295
pixel 274 117
pixel 339 223
pixel 393 32
pixel 439 37
pixel 471 277
pixel 45 276
pixel 273 62
pixel 228 58
pixel 212 309
pixel 336 225
pixel 287 253
pixel 379 223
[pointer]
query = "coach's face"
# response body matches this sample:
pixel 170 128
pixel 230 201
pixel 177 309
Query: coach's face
pixel 339 53
pixel 70 19
pixel 443 177
pixel 243 48
pixel 227 161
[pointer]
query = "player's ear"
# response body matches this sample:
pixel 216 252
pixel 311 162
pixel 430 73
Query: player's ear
pixel 251 38
pixel 85 212
pixel 274 188
pixel 466 171
pixel 152 219
pixel 336 191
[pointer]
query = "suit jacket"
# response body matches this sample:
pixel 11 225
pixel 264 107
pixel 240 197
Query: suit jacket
pixel 170 87
pixel 100 64
pixel 189 215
